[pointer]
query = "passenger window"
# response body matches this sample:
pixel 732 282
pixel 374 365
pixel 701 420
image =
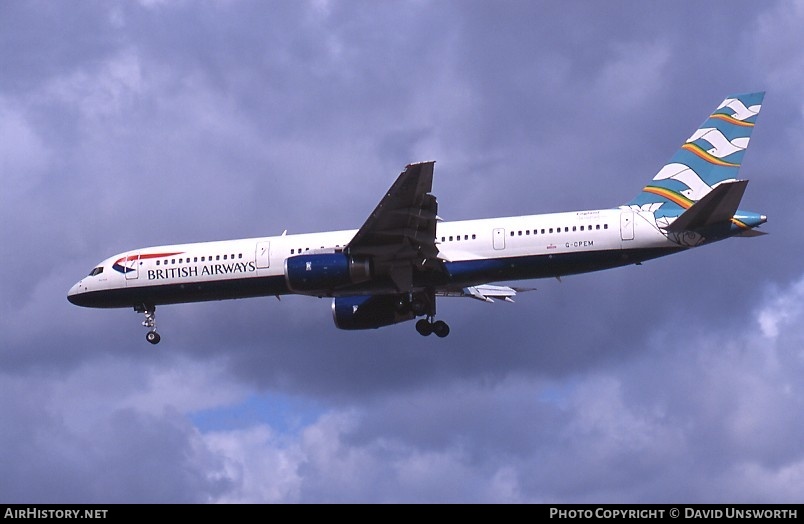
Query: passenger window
pixel 172 260
pixel 605 226
pixel 512 233
pixel 450 239
pixel 527 232
pixel 224 257
pixel 519 233
pixel 573 228
pixel 474 237
pixel 597 226
pixel 551 230
pixel 157 262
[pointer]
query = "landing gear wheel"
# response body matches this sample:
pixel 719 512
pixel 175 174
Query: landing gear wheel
pixel 440 328
pixel 424 327
pixel 150 322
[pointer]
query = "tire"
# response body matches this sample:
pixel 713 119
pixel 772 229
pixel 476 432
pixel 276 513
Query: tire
pixel 424 327
pixel 440 328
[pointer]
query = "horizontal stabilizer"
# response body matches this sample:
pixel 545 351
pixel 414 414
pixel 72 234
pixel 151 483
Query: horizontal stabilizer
pixel 716 207
pixel 750 233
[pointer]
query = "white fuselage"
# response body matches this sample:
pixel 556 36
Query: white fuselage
pixel 483 250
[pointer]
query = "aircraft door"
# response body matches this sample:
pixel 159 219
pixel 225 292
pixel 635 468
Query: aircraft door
pixel 263 255
pixel 627 225
pixel 132 265
pixel 498 238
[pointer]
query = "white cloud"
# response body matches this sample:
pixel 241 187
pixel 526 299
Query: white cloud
pixel 321 464
pixel 777 44
pixel 634 75
pixel 23 153
pixel 103 90
pixel 263 468
pixel 784 308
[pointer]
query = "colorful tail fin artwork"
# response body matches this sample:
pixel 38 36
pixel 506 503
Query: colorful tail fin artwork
pixel 710 158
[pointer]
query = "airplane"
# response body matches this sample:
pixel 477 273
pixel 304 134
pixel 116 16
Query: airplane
pixel 404 256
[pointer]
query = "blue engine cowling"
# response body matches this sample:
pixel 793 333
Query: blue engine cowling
pixel 370 312
pixel 322 273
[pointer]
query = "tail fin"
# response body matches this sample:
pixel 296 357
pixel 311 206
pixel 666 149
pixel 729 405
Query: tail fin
pixel 711 156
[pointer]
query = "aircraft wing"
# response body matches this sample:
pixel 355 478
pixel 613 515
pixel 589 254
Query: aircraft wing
pixel 400 234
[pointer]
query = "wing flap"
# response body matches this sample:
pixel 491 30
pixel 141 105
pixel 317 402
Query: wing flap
pixel 487 292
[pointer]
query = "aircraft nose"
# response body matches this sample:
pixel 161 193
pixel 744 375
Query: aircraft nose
pixel 74 295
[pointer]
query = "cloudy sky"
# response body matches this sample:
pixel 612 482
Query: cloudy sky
pixel 129 124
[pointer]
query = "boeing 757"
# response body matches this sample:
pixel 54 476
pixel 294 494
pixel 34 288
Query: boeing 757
pixel 395 266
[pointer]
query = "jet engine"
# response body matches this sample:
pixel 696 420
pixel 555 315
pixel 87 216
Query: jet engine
pixel 325 272
pixel 370 312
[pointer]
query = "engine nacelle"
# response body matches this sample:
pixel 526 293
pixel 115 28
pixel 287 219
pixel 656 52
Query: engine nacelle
pixel 370 312
pixel 325 272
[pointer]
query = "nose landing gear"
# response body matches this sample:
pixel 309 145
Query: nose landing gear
pixel 150 322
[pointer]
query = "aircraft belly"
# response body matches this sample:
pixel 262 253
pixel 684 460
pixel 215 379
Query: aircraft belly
pixel 481 271
pixel 544 266
pixel 175 293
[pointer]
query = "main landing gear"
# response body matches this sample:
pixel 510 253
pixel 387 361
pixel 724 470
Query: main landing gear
pixel 150 322
pixel 425 326
pixel 423 304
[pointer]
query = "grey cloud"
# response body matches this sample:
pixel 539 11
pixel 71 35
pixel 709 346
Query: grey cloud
pixel 129 125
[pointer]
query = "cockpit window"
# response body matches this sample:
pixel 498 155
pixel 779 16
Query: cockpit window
pixel 97 271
